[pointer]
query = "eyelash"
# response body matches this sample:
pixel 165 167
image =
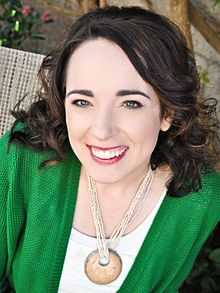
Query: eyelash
pixel 138 104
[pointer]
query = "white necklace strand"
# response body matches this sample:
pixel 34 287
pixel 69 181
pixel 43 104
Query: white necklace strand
pixel 104 265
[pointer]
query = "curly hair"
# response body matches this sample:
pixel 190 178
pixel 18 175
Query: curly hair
pixel 159 53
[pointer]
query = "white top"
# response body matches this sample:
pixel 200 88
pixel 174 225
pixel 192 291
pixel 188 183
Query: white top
pixel 73 278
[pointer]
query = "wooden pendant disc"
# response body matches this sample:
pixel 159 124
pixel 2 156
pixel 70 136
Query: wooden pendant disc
pixel 103 274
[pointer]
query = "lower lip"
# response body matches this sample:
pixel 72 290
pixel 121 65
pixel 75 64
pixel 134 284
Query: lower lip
pixel 108 161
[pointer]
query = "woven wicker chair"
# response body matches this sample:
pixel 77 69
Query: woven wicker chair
pixel 18 77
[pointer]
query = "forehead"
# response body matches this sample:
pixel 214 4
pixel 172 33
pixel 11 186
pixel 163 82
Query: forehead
pixel 102 65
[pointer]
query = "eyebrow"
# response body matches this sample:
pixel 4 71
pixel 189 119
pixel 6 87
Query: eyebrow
pixel 120 93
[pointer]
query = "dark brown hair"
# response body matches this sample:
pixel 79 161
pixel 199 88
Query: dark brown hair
pixel 158 51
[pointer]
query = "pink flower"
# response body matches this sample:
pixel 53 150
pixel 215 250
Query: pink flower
pixel 46 16
pixel 26 10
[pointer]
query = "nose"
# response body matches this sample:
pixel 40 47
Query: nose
pixel 103 126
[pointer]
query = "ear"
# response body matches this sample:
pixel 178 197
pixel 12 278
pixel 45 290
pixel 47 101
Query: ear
pixel 166 123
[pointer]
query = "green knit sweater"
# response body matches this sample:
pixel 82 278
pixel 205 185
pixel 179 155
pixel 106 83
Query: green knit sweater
pixel 36 214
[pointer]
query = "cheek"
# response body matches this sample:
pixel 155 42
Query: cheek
pixel 73 127
pixel 145 129
pixel 146 137
pixel 75 131
pixel 77 124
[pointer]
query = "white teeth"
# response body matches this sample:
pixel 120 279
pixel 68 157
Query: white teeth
pixel 107 154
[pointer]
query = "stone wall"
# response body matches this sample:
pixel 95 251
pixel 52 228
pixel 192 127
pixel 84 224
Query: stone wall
pixel 208 60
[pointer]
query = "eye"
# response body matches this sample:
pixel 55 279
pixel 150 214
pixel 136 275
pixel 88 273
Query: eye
pixel 80 103
pixel 133 104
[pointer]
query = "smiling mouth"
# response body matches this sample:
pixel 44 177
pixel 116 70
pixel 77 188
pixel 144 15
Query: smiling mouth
pixel 111 155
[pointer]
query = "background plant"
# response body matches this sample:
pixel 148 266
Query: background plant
pixel 216 2
pixel 19 22
pixel 205 276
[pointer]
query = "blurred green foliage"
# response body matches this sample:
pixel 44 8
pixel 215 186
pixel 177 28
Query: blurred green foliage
pixel 18 22
pixel 216 2
pixel 205 276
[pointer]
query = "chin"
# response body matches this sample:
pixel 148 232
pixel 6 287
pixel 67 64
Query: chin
pixel 105 177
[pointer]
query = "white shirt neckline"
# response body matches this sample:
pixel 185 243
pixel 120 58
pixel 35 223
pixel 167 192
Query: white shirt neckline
pixel 90 241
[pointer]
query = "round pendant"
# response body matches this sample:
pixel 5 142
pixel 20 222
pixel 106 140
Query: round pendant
pixel 103 274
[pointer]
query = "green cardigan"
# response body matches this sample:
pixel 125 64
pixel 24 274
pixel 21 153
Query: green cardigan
pixel 36 214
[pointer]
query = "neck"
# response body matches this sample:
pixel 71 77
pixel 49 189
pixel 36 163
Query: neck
pixel 126 186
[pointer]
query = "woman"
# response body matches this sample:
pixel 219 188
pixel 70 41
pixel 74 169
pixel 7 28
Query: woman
pixel 109 180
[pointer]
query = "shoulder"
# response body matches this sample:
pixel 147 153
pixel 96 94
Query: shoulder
pixel 211 181
pixel 205 201
pixel 19 152
pixel 20 166
pixel 210 193
pixel 20 170
pixel 4 144
pixel 25 158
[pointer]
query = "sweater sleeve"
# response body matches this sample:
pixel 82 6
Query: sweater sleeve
pixel 12 209
pixel 4 185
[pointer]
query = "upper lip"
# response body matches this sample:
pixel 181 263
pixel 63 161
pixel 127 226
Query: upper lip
pixel 106 149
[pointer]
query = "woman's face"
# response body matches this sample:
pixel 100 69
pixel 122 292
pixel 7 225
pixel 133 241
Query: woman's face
pixel 110 112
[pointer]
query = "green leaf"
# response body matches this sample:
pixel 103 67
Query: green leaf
pixel 17 26
pixel 215 255
pixel 203 75
pixel 208 284
pixel 13 12
pixel 216 2
pixel 38 36
pixel 216 269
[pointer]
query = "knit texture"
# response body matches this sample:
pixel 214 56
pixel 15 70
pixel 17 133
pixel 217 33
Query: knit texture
pixel 36 215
